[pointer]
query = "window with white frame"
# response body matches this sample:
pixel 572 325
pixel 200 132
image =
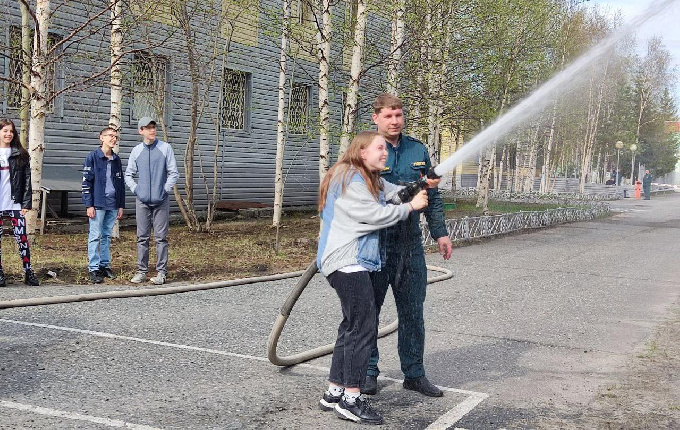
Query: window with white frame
pixel 298 109
pixel 16 61
pixel 149 85
pixel 235 99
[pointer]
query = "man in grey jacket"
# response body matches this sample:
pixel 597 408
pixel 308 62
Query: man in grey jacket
pixel 153 164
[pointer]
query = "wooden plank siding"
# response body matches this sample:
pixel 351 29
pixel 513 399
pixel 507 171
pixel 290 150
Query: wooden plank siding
pixel 246 160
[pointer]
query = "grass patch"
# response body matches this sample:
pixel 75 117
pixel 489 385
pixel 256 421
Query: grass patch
pixel 234 249
pixel 467 207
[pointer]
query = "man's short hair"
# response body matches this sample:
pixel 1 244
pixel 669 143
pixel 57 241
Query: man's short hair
pixel 386 100
pixel 105 129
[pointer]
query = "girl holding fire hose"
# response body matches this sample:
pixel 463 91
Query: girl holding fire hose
pixel 353 203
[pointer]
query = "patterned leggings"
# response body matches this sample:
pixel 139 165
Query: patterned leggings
pixel 19 228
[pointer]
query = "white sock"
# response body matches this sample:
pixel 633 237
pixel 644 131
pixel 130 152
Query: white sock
pixel 335 390
pixel 351 397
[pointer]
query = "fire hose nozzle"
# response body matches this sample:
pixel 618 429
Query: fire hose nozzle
pixel 410 189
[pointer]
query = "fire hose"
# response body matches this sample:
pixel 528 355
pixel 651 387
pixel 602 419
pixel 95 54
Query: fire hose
pixel 305 277
pixel 325 349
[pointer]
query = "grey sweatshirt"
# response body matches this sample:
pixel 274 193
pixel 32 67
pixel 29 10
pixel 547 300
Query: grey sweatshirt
pixel 155 167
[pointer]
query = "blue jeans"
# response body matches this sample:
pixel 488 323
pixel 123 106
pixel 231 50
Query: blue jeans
pixel 99 239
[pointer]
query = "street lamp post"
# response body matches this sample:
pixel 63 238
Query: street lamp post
pixel 633 147
pixel 619 146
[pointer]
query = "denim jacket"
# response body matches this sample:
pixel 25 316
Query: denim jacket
pixel 94 179
pixel 352 222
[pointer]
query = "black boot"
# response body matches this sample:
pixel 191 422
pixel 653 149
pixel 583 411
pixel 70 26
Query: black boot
pixel 423 386
pixel 370 386
pixel 95 277
pixel 3 280
pixel 31 279
pixel 107 272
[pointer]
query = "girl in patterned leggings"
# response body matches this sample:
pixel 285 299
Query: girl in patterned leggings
pixel 15 195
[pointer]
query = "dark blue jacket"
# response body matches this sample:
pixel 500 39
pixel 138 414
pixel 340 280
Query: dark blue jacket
pixel 94 179
pixel 408 162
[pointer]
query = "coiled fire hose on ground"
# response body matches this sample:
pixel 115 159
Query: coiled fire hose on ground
pixel 325 349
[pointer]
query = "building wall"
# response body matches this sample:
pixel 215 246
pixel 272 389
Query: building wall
pixel 246 158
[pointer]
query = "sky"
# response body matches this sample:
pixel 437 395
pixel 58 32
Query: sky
pixel 665 25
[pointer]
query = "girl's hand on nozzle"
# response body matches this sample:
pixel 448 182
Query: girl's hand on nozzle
pixel 419 201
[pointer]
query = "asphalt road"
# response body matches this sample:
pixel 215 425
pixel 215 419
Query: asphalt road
pixel 532 326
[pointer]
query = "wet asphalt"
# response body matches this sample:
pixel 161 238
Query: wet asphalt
pixel 539 322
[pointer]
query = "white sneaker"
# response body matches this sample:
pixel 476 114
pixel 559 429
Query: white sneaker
pixel 138 278
pixel 159 279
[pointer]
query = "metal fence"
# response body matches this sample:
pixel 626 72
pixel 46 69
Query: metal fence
pixel 557 198
pixel 469 228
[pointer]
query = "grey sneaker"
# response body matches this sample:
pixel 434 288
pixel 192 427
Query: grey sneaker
pixel 159 279
pixel 138 278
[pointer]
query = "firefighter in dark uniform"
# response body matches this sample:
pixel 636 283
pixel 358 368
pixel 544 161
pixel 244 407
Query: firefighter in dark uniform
pixel 405 270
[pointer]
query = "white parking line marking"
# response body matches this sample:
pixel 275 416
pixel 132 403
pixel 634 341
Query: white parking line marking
pixel 73 416
pixel 445 421
pixel 455 414
pixel 136 339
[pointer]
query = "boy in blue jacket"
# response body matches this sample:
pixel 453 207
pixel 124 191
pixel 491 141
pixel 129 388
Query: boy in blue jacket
pixel 104 198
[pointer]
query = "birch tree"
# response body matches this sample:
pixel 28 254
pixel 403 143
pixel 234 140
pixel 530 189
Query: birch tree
pixel 595 97
pixel 324 31
pixel 24 110
pixel 116 66
pixel 349 115
pixel 116 80
pixel 396 44
pixel 280 119
pixel 38 92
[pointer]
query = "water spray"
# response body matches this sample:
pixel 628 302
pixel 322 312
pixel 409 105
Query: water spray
pixel 542 97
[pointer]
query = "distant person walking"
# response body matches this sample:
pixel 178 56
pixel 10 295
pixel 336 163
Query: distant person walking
pixel 153 163
pixel 15 195
pixel 647 184
pixel 104 197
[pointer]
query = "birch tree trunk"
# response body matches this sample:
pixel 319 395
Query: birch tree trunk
pixel 533 156
pixel 116 67
pixel 546 171
pixel 280 125
pixel 324 36
pixel 36 133
pixel 395 48
pixel 24 110
pixel 432 51
pixel 501 165
pixel 452 148
pixel 594 109
pixel 355 76
pixel 484 174
pixel 488 160
pixel 116 80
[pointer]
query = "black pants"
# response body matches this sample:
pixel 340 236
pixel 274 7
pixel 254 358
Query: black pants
pixel 357 332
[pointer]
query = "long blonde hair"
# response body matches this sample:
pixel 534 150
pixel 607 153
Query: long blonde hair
pixel 351 160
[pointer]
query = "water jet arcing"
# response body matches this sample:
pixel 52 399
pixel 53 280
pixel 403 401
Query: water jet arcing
pixel 543 96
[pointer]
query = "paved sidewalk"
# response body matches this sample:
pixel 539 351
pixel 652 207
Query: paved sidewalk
pixel 540 322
